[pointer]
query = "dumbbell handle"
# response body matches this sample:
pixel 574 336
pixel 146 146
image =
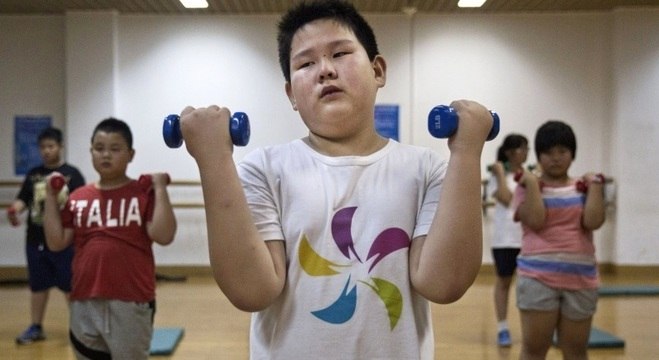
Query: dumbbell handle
pixel 239 130
pixel 443 122
pixel 57 182
pixel 146 181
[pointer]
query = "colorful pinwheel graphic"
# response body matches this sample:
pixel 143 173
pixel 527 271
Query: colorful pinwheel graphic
pixel 385 243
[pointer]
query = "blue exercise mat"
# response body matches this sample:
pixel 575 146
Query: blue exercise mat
pixel 165 340
pixel 601 339
pixel 633 290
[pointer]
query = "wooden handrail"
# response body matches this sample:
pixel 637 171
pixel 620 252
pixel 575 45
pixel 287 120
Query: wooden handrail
pixel 191 205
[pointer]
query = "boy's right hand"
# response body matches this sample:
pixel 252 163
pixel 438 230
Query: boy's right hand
pixel 205 131
pixel 12 216
pixel 54 183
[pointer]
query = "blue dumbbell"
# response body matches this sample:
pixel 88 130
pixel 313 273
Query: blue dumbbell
pixel 443 122
pixel 238 128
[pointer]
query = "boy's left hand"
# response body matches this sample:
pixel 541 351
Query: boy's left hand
pixel 474 126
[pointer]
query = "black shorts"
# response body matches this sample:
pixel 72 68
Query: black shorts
pixel 47 268
pixel 505 261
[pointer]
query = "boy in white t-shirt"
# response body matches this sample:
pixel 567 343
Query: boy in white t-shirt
pixel 337 241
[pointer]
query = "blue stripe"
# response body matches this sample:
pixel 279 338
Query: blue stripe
pixel 563 202
pixel 557 267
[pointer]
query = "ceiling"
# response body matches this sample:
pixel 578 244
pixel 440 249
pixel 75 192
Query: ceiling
pixel 278 6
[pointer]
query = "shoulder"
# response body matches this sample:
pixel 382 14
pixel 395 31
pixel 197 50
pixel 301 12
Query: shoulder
pixel 84 191
pixel 37 170
pixel 70 168
pixel 268 156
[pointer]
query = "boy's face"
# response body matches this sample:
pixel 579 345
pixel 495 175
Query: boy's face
pixel 110 154
pixel 333 83
pixel 556 161
pixel 50 152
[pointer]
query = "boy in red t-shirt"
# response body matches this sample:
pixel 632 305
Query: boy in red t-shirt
pixel 112 224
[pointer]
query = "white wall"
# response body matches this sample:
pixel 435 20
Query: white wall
pixel 581 68
pixel 635 106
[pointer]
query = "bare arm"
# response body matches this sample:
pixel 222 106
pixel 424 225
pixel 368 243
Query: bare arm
pixel 14 211
pixel 162 228
pixel 250 272
pixel 531 211
pixel 57 237
pixel 594 212
pixel 502 194
pixel 445 262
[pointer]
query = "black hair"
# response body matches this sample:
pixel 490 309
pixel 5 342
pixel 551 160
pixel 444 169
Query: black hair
pixel 510 142
pixel 305 12
pixel 555 133
pixel 112 125
pixel 50 133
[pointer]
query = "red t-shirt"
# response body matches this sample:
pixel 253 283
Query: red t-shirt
pixel 113 255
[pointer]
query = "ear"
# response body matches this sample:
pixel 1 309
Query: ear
pixel 132 155
pixel 289 93
pixel 380 70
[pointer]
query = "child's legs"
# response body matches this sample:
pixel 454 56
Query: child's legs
pixel 87 323
pixel 60 262
pixel 537 333
pixel 539 307
pixel 104 328
pixel 131 329
pixel 38 302
pixel 573 338
pixel 505 261
pixel 40 277
pixel 577 310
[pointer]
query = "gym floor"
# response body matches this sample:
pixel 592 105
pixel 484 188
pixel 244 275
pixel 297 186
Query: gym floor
pixel 216 330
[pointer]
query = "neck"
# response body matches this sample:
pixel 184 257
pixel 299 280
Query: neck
pixel 105 183
pixel 54 165
pixel 348 147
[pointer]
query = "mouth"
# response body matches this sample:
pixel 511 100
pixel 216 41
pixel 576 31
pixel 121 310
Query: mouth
pixel 329 90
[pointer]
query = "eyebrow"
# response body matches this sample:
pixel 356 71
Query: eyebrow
pixel 331 44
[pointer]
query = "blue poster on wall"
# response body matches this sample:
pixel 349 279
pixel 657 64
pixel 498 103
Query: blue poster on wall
pixel 386 120
pixel 26 145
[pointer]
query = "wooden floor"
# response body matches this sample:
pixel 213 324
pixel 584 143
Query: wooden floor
pixel 215 330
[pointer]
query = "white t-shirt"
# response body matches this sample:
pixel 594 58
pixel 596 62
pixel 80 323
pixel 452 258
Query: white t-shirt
pixel 347 223
pixel 507 233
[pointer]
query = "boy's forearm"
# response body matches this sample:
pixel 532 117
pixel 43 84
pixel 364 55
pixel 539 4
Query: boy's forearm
pixel 452 251
pixel 242 265
pixel 163 226
pixel 52 225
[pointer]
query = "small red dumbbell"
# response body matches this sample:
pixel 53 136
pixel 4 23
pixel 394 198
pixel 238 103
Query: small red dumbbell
pixel 57 182
pixel 146 181
pixel 518 176
pixel 12 215
pixel 582 184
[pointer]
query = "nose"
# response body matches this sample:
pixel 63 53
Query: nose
pixel 327 70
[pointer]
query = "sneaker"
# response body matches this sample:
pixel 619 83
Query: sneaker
pixel 30 335
pixel 503 338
